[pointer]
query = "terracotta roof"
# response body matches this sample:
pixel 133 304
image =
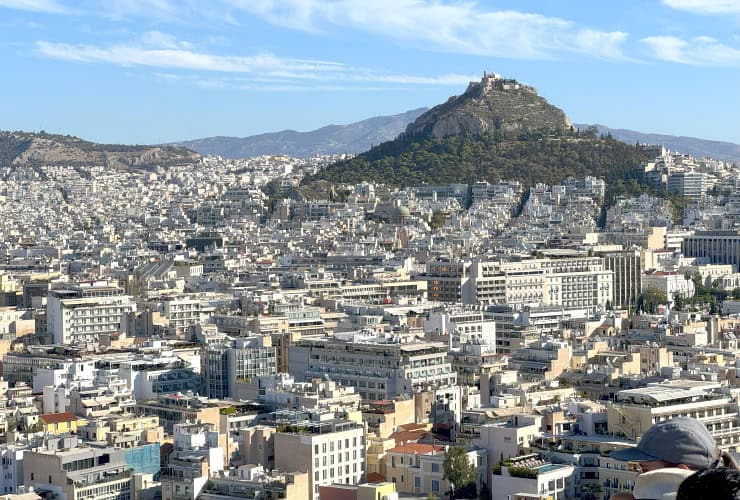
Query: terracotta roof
pixel 417 448
pixel 375 477
pixel 55 418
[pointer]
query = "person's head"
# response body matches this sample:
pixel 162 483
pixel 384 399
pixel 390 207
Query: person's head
pixel 717 484
pixel 681 442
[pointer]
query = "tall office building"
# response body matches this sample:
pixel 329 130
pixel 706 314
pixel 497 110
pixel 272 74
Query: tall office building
pixel 627 268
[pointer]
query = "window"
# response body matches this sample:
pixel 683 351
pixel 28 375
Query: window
pixel 435 486
pixel 417 482
pixel 435 467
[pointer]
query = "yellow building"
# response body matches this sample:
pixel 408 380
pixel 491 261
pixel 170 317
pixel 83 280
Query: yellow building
pixel 60 423
pixel 375 491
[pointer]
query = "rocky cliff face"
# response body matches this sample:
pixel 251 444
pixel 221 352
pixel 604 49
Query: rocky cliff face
pixel 492 103
pixel 30 149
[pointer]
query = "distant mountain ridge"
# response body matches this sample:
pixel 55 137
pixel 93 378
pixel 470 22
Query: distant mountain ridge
pixel 332 139
pixel 35 149
pixel 700 148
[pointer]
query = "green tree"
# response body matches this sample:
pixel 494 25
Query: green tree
pixel 678 302
pixel 736 293
pixel 459 471
pixel 437 220
pixel 650 299
pixel 590 491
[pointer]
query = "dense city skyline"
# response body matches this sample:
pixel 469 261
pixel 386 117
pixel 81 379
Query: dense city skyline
pixel 155 71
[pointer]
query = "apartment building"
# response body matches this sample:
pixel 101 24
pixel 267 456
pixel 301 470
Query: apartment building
pixel 636 410
pixel 575 282
pixel 239 359
pixel 11 457
pixel 253 481
pixel 75 473
pixel 528 476
pixel 463 326
pixel 331 450
pixel 449 281
pixel 83 313
pixel 418 468
pixel 180 408
pixel 672 284
pixel 379 367
pixel 198 454
pixel 542 362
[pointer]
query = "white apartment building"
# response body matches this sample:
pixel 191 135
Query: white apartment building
pixel 530 476
pixel 379 367
pixel 670 283
pixel 331 451
pixel 11 456
pixel 83 313
pixel 574 283
pixel 462 327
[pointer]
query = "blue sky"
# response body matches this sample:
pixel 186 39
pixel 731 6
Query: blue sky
pixel 148 71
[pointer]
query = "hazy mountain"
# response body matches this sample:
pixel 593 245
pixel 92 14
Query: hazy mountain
pixel 700 148
pixel 497 129
pixel 332 139
pixel 38 149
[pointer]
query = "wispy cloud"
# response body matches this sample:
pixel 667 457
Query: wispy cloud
pixel 705 7
pixel 47 6
pixel 453 26
pixel 166 53
pixel 698 51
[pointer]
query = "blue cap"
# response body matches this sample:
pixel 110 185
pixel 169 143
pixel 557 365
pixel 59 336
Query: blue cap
pixel 682 440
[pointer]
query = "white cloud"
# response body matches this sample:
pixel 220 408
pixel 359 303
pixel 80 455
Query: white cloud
pixel 454 26
pixel 705 7
pixel 165 52
pixel 163 40
pixel 48 6
pixel 698 51
pixel 182 58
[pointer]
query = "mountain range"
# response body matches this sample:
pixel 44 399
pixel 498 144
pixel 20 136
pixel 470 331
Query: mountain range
pixel 698 148
pixel 19 149
pixel 332 139
pixel 360 136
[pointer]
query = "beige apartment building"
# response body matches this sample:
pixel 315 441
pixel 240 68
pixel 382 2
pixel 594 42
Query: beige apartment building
pixel 331 451
pixel 636 410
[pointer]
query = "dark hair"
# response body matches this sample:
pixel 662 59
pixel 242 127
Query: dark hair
pixel 718 484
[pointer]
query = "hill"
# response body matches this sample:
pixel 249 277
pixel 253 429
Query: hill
pixel 37 149
pixel 332 139
pixel 696 147
pixel 491 104
pixel 497 129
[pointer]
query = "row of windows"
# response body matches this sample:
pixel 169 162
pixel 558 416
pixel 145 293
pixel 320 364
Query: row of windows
pixel 338 445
